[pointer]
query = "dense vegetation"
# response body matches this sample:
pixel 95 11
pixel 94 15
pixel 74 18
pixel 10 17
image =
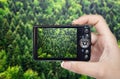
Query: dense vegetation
pixel 57 43
pixel 17 18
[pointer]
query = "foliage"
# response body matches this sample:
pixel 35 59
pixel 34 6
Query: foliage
pixel 57 43
pixel 30 74
pixel 16 72
pixel 17 18
pixel 85 77
pixel 12 73
pixel 4 8
pixel 119 43
pixel 3 62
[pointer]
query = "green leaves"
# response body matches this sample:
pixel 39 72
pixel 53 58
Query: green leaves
pixel 3 62
pixel 17 17
pixel 30 74
pixel 16 72
pixel 36 2
pixel 57 42
pixel 12 73
pixel 3 8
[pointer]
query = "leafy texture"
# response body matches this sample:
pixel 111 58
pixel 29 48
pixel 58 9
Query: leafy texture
pixel 17 17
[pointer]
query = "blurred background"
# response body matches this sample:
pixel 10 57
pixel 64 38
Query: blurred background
pixel 17 18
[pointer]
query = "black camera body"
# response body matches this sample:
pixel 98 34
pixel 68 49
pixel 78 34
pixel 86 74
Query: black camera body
pixel 62 42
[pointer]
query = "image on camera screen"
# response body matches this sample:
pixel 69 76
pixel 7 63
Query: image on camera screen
pixel 57 43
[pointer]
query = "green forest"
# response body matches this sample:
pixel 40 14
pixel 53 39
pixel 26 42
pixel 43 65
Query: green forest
pixel 17 18
pixel 57 43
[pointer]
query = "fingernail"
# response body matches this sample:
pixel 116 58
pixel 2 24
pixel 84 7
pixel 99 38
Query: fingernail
pixel 62 64
pixel 73 21
pixel 66 65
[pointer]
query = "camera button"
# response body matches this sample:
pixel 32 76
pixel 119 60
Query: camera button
pixel 86 35
pixel 86 56
pixel 86 51
pixel 82 50
pixel 84 43
pixel 86 30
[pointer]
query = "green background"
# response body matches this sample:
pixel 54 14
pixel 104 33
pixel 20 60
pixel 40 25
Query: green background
pixel 57 43
pixel 17 18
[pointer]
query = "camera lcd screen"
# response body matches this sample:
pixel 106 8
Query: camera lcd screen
pixel 61 43
pixel 57 42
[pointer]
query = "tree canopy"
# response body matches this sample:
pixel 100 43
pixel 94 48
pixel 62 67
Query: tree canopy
pixel 17 18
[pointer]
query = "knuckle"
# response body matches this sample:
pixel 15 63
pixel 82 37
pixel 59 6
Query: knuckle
pixel 100 16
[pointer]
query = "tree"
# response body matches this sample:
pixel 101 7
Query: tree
pixel 17 18
pixel 3 60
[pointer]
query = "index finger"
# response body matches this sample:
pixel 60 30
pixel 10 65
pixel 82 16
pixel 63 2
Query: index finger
pixel 96 20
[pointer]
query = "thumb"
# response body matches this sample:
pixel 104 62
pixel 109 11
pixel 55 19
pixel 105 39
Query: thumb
pixel 92 69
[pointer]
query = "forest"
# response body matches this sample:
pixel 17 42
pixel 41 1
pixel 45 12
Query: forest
pixel 57 43
pixel 17 18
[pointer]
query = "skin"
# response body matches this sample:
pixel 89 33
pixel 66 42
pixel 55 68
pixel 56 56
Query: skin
pixel 105 53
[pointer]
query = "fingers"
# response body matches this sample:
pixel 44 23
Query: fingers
pixel 96 20
pixel 93 38
pixel 88 68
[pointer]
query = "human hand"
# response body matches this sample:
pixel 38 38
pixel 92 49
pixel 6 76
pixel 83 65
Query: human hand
pixel 105 53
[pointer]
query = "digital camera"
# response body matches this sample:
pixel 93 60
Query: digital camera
pixel 62 42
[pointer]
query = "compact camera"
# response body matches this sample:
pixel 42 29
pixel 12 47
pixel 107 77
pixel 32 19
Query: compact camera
pixel 62 42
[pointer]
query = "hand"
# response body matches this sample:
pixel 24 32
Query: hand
pixel 105 53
